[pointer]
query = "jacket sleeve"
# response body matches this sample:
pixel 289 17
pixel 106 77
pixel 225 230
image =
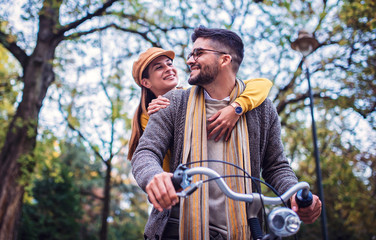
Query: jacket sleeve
pixel 255 92
pixel 276 169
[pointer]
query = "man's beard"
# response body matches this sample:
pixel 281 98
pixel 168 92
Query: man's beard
pixel 206 76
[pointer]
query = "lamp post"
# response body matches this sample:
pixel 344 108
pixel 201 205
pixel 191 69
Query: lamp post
pixel 306 44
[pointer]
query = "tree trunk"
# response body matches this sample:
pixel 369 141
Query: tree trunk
pixel 10 198
pixel 16 154
pixel 106 202
pixel 19 144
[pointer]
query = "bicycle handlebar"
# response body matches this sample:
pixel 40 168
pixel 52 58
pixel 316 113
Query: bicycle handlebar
pixel 183 178
pixel 184 175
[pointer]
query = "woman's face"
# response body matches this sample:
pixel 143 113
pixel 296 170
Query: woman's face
pixel 163 76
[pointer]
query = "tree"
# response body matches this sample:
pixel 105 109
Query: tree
pixel 37 75
pixel 129 208
pixel 344 90
pixel 87 179
pixel 65 191
pixel 91 128
pixel 56 211
pixel 359 25
pixel 349 187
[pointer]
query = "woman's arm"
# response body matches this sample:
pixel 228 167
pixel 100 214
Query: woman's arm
pixel 255 92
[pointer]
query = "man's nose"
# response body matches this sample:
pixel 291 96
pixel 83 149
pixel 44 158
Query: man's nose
pixel 190 61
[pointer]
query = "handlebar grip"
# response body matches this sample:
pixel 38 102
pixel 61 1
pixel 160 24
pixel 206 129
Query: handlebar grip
pixel 176 179
pixel 255 226
pixel 304 198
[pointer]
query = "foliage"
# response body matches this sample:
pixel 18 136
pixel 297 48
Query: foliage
pixel 88 181
pixel 128 204
pixel 129 209
pixel 55 211
pixel 67 164
pixel 356 32
pixel 349 190
pixel 8 90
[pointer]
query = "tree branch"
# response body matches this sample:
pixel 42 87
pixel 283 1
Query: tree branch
pixel 98 12
pixel 148 23
pixel 113 25
pixel 79 133
pixel 292 81
pixel 77 35
pixel 282 104
pixel 90 193
pixel 144 35
pixel 7 41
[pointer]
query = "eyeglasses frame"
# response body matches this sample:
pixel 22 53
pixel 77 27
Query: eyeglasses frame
pixel 196 55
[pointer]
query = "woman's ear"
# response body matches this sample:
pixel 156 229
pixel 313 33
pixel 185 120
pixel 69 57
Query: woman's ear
pixel 146 83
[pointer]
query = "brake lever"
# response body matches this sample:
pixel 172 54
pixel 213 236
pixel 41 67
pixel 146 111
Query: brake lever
pixel 192 188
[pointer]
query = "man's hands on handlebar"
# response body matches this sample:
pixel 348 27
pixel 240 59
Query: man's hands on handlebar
pixel 308 214
pixel 162 195
pixel 161 191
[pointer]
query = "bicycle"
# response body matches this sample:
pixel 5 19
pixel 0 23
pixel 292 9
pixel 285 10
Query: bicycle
pixel 282 221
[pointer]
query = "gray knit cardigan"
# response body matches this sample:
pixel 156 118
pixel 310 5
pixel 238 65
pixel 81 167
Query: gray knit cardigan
pixel 165 130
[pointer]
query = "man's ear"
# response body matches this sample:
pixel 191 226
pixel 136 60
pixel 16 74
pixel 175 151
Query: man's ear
pixel 146 83
pixel 226 59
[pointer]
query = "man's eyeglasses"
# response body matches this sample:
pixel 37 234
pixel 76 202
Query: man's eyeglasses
pixel 197 52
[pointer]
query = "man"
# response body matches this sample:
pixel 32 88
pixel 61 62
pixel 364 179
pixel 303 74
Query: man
pixel 255 144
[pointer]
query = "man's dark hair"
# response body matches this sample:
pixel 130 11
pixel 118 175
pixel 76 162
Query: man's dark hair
pixel 225 40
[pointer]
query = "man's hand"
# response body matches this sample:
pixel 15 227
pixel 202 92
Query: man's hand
pixel 309 214
pixel 157 104
pixel 161 191
pixel 223 121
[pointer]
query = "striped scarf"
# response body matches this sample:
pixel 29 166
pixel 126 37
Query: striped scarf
pixel 194 211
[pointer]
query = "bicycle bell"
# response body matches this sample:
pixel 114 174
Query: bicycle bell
pixel 283 222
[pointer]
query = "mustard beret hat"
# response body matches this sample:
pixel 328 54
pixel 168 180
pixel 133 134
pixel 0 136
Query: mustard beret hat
pixel 145 59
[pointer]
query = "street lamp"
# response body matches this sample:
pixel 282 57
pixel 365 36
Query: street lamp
pixel 306 44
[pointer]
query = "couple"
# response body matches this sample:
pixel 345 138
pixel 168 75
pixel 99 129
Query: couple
pixel 197 124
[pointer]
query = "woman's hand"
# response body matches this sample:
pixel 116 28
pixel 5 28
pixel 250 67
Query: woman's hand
pixel 157 104
pixel 222 123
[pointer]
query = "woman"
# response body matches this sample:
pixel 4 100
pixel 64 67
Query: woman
pixel 155 73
